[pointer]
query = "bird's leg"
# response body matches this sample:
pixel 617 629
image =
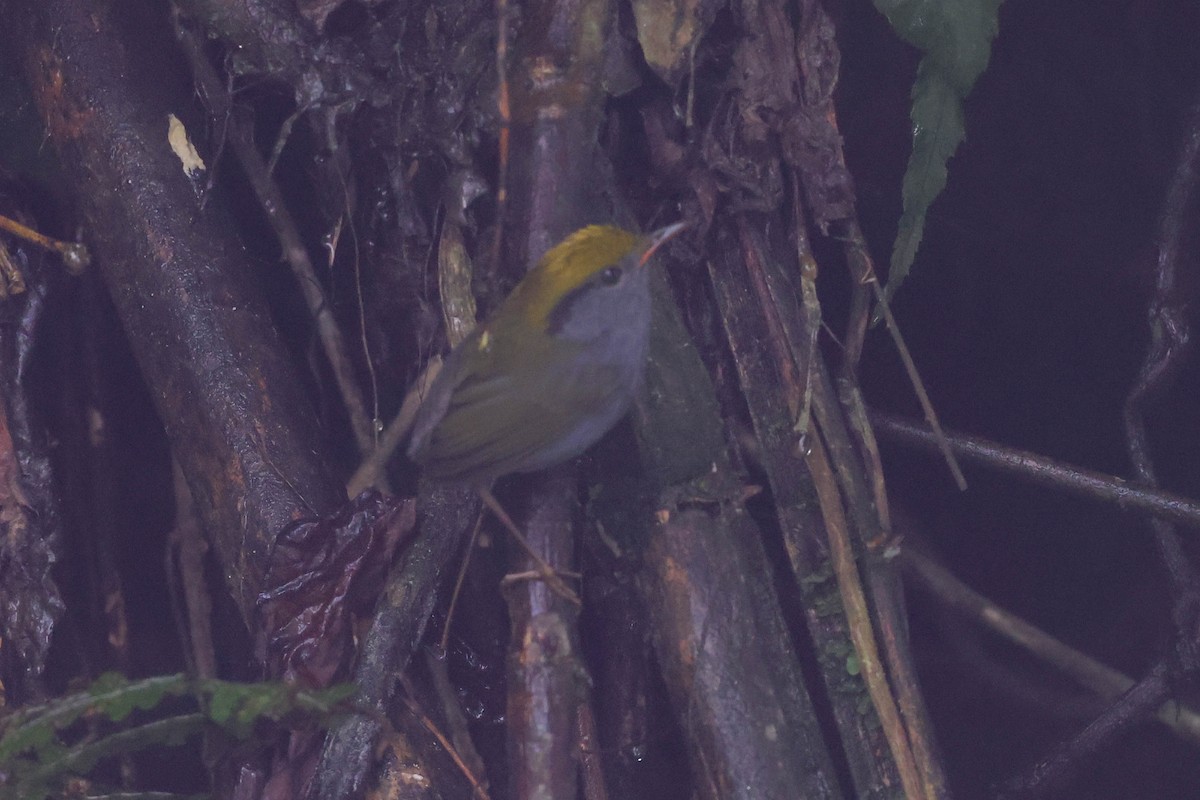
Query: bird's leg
pixel 544 570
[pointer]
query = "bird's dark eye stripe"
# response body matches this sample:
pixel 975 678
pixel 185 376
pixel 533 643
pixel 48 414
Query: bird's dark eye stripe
pixel 609 276
pixel 558 315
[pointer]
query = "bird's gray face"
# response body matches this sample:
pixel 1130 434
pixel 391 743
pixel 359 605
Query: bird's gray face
pixel 609 312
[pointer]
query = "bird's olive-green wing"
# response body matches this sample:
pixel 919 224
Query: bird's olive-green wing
pixel 498 419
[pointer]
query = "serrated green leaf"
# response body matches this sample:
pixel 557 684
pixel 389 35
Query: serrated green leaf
pixel 35 736
pixel 955 37
pixel 238 707
pixel 119 702
pixel 111 695
pixel 335 695
pixel 106 683
pixel 35 760
pixel 82 758
pixel 937 132
pixel 270 700
pixel 225 699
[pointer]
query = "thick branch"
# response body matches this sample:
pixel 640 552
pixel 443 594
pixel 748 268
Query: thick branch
pixel 242 430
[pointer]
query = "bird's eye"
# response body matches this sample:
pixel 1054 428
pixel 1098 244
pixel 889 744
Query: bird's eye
pixel 610 276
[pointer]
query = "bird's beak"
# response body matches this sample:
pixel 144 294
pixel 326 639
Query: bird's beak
pixel 658 239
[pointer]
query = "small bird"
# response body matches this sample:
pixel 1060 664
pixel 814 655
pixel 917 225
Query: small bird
pixel 551 371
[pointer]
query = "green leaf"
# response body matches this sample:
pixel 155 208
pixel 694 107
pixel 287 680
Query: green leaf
pixel 955 37
pixel 39 750
pixel 79 760
pixel 119 703
pixel 237 707
pixel 329 699
pixel 937 132
pixel 106 683
pixel 111 695
pixel 223 702
pixel 34 735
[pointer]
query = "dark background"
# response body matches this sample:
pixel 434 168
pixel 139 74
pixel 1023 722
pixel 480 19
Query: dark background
pixel 1027 315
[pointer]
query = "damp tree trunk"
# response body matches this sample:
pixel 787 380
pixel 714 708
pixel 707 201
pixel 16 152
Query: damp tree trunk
pixel 371 174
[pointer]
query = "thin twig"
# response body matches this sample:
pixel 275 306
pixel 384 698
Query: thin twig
pixel 478 789
pixel 1106 682
pixel 281 138
pixel 854 602
pixel 1049 777
pixel 458 312
pixel 504 109
pixel 590 766
pixel 444 642
pixel 810 303
pixel 547 572
pixel 74 254
pixel 1170 339
pixel 291 244
pixel 370 471
pixel 859 246
pixel 187 541
pixel 361 304
pixel 1042 470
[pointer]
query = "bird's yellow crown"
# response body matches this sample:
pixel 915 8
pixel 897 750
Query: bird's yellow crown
pixel 567 265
